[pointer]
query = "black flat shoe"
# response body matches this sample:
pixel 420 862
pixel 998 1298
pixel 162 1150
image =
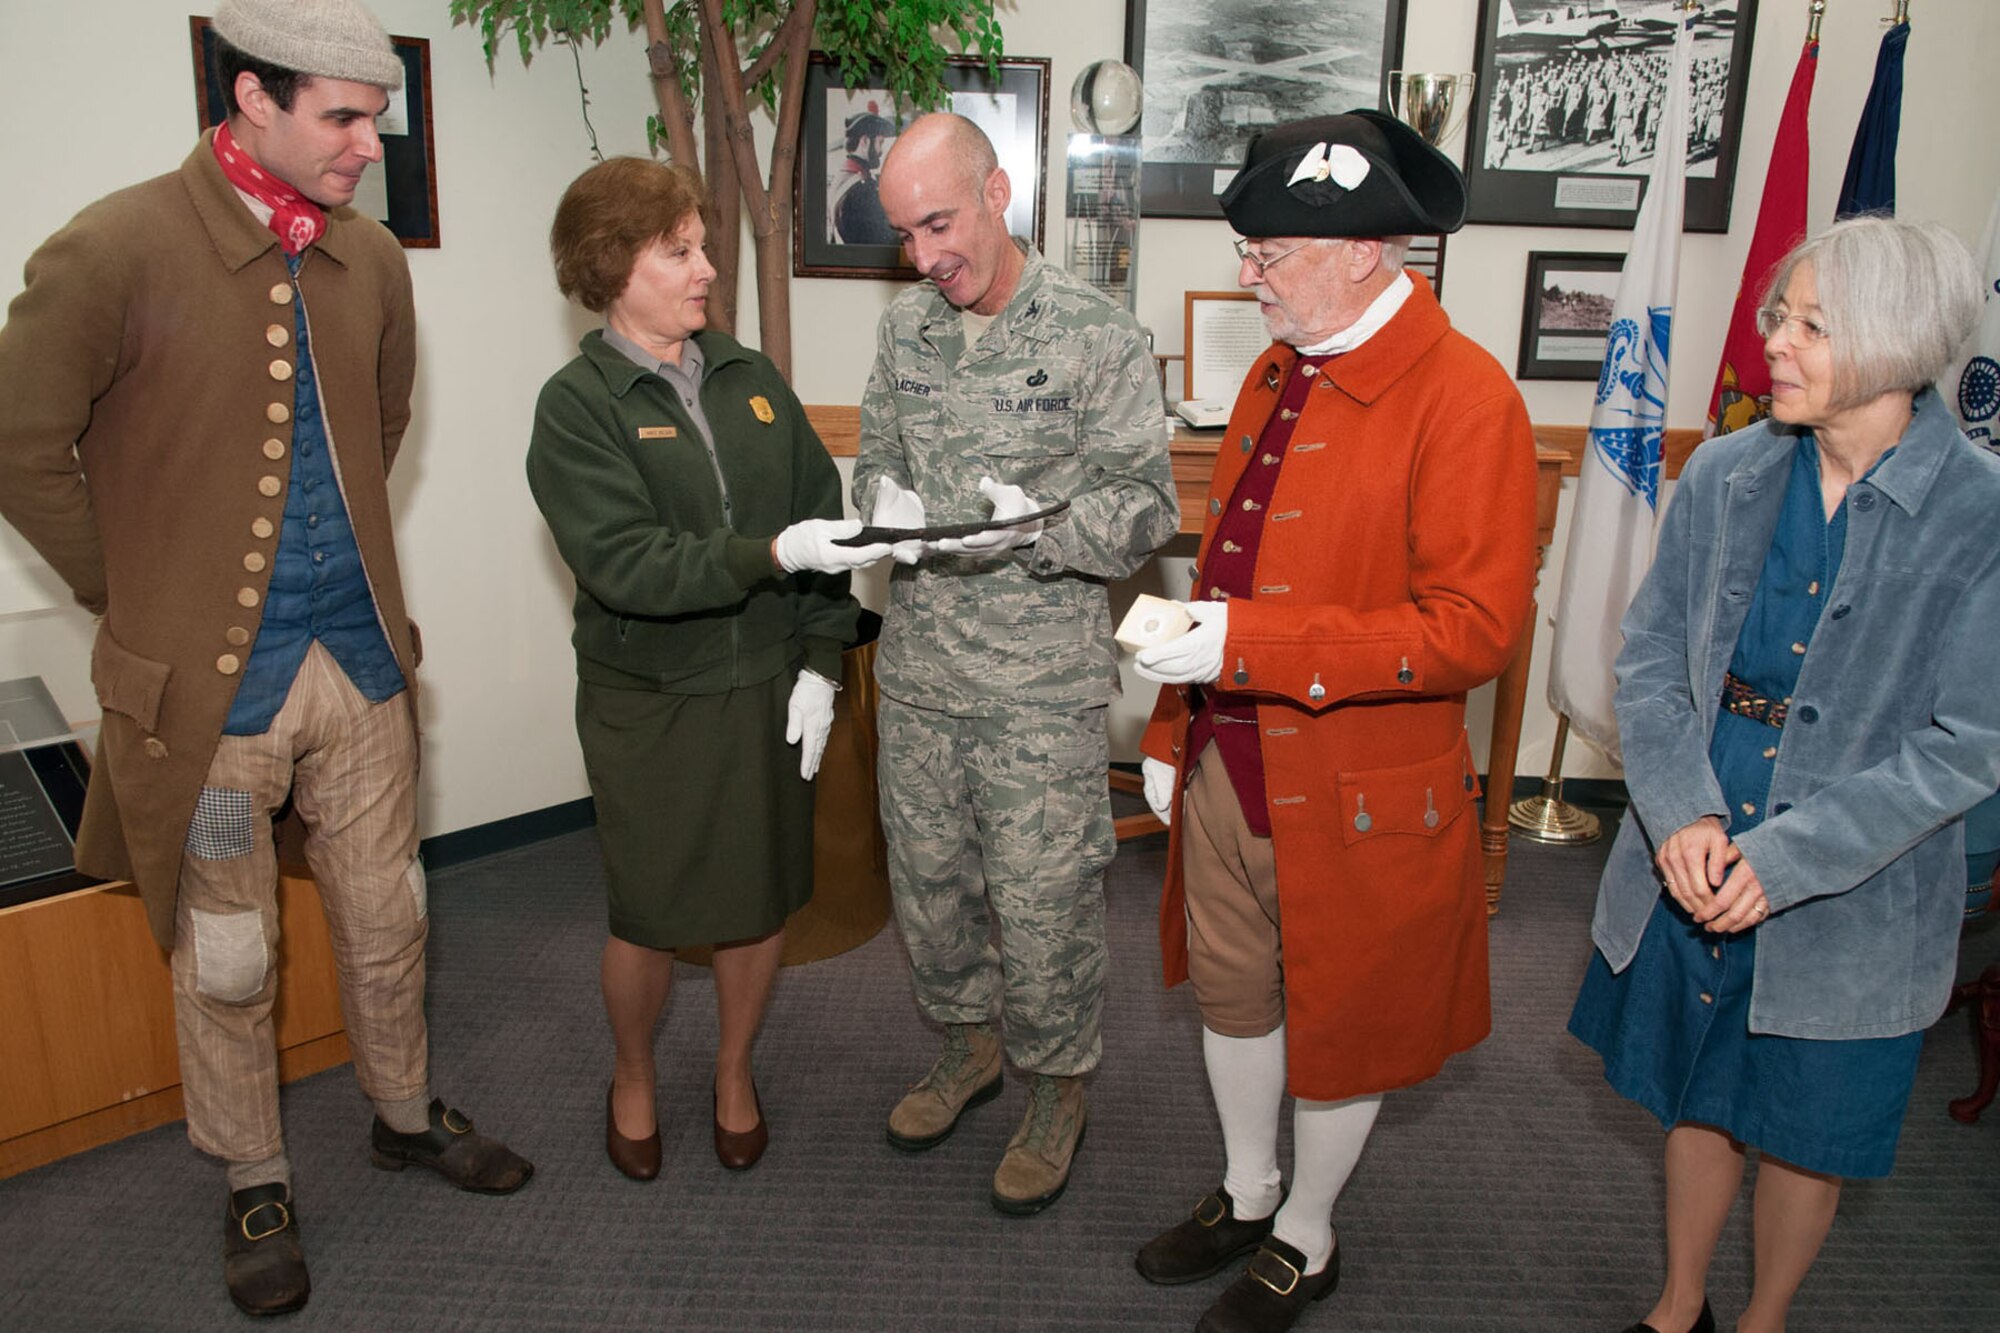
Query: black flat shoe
pixel 449 1147
pixel 1703 1322
pixel 263 1259
pixel 1272 1293
pixel 1202 1245
pixel 638 1159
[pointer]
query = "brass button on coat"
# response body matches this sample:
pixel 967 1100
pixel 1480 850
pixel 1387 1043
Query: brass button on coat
pixel 261 527
pixel 274 449
pixel 246 597
pixel 254 562
pixel 281 370
pixel 269 486
pixel 277 335
pixel 237 635
pixel 277 414
pixel 155 748
pixel 228 664
pixel 281 294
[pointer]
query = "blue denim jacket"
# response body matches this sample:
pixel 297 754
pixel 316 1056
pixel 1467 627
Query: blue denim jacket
pixel 1894 730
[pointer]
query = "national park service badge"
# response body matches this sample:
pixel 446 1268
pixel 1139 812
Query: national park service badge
pixel 762 407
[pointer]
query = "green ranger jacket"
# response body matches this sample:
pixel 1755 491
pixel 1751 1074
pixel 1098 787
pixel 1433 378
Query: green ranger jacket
pixel 1061 398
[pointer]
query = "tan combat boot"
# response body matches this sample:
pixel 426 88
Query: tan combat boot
pixel 1035 1170
pixel 967 1074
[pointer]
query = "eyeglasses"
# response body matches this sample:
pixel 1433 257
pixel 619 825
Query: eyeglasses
pixel 1258 264
pixel 1800 330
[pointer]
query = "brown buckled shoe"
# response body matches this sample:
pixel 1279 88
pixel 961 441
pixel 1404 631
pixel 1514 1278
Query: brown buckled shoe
pixel 263 1259
pixel 1272 1293
pixel 450 1147
pixel 1035 1171
pixel 967 1074
pixel 1203 1245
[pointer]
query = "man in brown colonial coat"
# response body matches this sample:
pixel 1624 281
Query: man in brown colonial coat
pixel 1367 559
pixel 203 384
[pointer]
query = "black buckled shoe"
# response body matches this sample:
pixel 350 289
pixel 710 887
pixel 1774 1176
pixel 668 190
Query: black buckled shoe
pixel 1272 1293
pixel 449 1147
pixel 1703 1322
pixel 263 1260
pixel 1202 1245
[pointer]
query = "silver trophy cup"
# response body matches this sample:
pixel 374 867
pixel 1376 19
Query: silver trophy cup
pixel 1434 105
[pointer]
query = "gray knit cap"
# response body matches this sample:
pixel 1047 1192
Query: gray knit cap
pixel 335 39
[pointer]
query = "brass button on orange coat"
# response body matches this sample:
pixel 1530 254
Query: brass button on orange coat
pixel 274 449
pixel 237 635
pixel 246 597
pixel 277 335
pixel 227 664
pixel 278 414
pixel 281 370
pixel 269 486
pixel 261 527
pixel 281 294
pixel 254 562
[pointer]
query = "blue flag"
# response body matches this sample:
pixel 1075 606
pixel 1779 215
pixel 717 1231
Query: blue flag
pixel 1870 184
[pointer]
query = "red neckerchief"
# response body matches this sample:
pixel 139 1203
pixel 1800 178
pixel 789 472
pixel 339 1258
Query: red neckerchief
pixel 297 220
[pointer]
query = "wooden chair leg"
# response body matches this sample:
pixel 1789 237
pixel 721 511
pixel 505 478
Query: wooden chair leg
pixel 1984 996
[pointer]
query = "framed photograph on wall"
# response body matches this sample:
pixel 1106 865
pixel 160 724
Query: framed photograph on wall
pixel 400 191
pixel 1565 117
pixel 1566 314
pixel 1219 71
pixel 838 230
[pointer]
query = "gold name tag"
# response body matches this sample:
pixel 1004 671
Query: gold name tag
pixel 659 432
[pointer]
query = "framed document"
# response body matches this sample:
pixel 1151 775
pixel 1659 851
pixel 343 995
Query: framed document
pixel 1225 333
pixel 1566 314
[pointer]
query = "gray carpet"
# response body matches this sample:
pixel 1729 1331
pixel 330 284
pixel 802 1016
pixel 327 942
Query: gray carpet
pixel 1515 1191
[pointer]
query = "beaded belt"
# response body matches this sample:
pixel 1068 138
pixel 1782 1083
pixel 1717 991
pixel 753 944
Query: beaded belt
pixel 1739 698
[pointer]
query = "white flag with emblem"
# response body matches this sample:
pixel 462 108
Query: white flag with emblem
pixel 1971 387
pixel 1618 481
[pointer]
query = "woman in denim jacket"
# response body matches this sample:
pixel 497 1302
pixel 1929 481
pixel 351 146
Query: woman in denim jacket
pixel 1806 707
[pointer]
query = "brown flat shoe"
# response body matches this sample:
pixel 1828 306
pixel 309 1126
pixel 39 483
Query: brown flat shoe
pixel 637 1158
pixel 739 1152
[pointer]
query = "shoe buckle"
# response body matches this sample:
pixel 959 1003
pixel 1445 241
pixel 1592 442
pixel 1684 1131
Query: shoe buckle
pixel 284 1220
pixel 455 1121
pixel 1210 1211
pixel 1292 1274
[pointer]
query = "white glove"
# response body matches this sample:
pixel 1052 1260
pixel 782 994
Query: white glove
pixel 1158 778
pixel 808 718
pixel 1009 501
pixel 898 508
pixel 808 544
pixel 1195 658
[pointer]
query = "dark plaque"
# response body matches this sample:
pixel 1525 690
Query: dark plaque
pixel 41 804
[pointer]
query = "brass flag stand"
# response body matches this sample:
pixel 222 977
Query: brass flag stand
pixel 1548 817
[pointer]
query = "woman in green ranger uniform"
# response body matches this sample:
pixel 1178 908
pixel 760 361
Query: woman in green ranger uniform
pixel 697 510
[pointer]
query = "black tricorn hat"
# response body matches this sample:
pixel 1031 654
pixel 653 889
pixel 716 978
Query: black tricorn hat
pixel 1359 174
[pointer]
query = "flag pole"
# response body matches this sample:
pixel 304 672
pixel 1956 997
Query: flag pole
pixel 1548 817
pixel 1817 13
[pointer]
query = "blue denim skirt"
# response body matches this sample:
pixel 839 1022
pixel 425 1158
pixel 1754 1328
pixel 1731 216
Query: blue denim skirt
pixel 1674 1031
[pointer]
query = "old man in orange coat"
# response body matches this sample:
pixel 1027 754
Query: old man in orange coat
pixel 1367 559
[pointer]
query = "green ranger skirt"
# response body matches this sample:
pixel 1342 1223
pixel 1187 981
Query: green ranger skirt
pixel 705 824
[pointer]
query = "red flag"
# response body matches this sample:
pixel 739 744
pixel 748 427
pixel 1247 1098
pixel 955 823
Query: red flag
pixel 1742 392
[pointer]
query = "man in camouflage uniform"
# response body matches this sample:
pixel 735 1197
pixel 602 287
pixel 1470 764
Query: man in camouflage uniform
pixel 1002 382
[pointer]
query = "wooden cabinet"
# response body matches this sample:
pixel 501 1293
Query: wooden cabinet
pixel 87 1050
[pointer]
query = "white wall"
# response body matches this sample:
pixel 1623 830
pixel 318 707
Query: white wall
pixel 482 578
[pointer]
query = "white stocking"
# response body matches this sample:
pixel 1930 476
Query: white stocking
pixel 1247 1077
pixel 1327 1138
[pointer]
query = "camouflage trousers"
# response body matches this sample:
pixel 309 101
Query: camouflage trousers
pixel 999 831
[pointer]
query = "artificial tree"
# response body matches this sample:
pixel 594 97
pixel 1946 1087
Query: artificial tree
pixel 762 45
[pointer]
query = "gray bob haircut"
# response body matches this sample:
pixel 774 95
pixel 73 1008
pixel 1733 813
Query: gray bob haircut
pixel 1899 300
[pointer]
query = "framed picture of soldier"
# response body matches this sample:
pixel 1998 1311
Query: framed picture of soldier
pixel 1566 314
pixel 1569 95
pixel 1217 72
pixel 838 227
pixel 400 191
